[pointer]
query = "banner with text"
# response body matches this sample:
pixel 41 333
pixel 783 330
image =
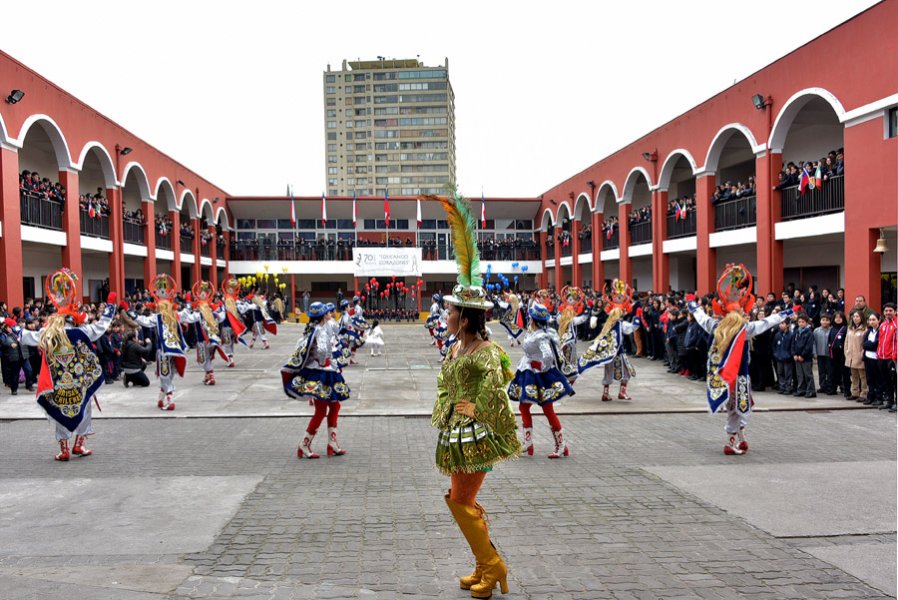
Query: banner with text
pixel 381 262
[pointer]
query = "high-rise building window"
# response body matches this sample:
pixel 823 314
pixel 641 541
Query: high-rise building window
pixel 330 89
pixel 330 78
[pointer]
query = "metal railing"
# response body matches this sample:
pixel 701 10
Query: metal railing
pixel 285 250
pixel 735 214
pixel 134 233
pixel 640 233
pixel 39 211
pixel 206 249
pixel 682 227
pixel 186 244
pixel 163 241
pixel 829 198
pixel 97 226
pixel 610 242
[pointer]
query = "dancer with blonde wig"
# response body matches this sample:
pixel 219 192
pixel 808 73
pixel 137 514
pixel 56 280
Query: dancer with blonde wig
pixel 607 350
pixel 171 349
pixel 70 373
pixel 206 320
pixel 728 381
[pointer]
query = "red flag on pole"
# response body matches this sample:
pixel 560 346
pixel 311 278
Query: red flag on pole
pixel 323 209
pixel 419 213
pixel 387 208
pixel 355 211
pixel 292 207
pixel 482 210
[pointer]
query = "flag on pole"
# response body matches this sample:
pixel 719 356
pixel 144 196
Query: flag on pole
pixel 323 209
pixel 683 211
pixel 355 211
pixel 804 182
pixel 677 211
pixel 90 208
pixel 818 177
pixel 292 207
pixel 387 208
pixel 482 210
pixel 419 213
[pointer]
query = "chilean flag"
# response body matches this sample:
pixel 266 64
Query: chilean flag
pixel 419 213
pixel 355 211
pixel 804 182
pixel 482 210
pixel 387 209
pixel 292 207
pixel 323 209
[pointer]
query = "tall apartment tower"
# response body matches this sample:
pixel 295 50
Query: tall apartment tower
pixel 389 127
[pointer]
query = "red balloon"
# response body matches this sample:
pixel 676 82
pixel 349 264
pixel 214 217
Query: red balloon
pixel 363 298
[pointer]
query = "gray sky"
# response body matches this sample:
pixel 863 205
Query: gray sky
pixel 542 89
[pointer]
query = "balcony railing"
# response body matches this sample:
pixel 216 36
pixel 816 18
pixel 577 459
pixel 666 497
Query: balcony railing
pixel 830 198
pixel 134 233
pixel 610 242
pixel 566 249
pixel 186 244
pixel 206 249
pixel 220 250
pixel 735 214
pixel 97 226
pixel 682 227
pixel 640 233
pixel 163 241
pixel 39 211
pixel 285 250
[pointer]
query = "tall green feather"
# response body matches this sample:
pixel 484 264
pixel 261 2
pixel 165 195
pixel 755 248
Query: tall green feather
pixel 464 238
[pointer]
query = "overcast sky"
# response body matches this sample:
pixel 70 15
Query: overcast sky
pixel 542 89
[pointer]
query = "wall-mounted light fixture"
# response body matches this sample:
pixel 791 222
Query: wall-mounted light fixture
pixel 15 96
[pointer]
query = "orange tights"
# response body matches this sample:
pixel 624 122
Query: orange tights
pixel 465 487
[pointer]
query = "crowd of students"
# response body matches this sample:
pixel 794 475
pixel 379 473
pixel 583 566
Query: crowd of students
pixel 31 182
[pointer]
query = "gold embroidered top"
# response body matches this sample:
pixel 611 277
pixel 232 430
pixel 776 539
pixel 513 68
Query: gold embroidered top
pixel 474 444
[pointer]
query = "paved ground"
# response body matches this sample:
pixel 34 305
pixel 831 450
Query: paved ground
pixel 646 507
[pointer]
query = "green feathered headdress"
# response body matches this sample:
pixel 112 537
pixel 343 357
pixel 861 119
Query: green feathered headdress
pixel 469 292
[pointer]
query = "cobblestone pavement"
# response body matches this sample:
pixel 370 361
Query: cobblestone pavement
pixel 372 524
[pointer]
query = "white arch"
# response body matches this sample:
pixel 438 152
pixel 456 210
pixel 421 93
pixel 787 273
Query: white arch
pixel 599 196
pixel 142 181
pixel 715 149
pixel 790 110
pixel 57 138
pixel 173 202
pixel 542 223
pixel 584 197
pixel 226 224
pixel 630 184
pixel 107 166
pixel 563 204
pixel 668 167
pixel 210 214
pixel 193 211
pixel 4 134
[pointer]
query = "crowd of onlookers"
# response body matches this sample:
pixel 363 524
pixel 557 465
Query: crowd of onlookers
pixel 681 207
pixel 733 191
pixel 640 215
pixel 831 165
pixel 31 182
pixel 851 348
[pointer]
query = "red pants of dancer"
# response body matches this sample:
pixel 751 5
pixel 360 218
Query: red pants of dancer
pixel 322 409
pixel 548 410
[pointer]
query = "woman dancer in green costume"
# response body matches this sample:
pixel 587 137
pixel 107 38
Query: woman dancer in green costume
pixel 472 412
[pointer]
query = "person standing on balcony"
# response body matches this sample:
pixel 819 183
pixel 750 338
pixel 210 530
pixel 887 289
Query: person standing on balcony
pixel 71 374
pixel 728 379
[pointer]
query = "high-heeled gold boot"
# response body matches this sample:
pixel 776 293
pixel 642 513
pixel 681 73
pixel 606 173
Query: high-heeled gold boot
pixel 489 564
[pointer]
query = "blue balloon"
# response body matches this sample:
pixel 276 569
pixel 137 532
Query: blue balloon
pixel 514 265
pixel 524 268
pixel 515 277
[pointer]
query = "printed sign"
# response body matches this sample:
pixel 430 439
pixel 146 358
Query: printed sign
pixel 380 262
